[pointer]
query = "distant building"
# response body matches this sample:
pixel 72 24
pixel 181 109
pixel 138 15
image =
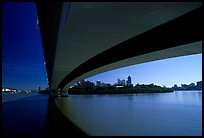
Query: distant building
pixel 6 89
pixel 86 84
pixel 118 81
pixel 129 82
pixel 107 84
pixel 191 86
pixel 103 84
pixel 9 90
pixel 98 83
pixel 121 82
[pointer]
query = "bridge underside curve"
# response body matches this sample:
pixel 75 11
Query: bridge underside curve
pixel 90 38
pixel 188 49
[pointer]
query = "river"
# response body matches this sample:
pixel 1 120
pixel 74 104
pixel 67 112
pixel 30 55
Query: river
pixel 160 114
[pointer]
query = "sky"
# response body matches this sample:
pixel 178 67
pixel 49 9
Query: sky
pixel 179 70
pixel 23 60
pixel 22 53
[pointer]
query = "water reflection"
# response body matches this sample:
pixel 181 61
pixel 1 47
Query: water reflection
pixel 177 113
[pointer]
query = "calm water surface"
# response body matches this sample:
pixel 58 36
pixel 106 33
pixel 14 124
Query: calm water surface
pixel 164 114
pixel 24 114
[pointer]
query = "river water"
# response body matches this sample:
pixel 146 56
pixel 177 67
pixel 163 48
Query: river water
pixel 160 114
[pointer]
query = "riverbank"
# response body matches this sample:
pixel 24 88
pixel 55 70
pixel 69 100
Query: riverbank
pixel 123 90
pixel 112 92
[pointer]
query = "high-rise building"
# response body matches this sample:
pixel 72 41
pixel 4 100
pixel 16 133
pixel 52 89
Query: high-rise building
pixel 129 82
pixel 98 83
pixel 118 81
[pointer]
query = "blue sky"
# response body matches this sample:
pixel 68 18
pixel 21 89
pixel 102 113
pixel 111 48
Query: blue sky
pixel 22 53
pixel 179 70
pixel 23 59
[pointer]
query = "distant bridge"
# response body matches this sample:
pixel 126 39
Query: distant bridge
pixel 82 39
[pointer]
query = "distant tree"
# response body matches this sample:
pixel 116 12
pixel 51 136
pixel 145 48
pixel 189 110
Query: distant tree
pixel 164 86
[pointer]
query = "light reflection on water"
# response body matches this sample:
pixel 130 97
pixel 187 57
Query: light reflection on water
pixel 177 113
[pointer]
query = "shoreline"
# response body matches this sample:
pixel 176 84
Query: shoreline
pixel 128 93
pixel 85 92
pixel 114 92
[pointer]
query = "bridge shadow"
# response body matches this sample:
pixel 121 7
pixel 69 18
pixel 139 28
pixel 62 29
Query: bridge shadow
pixel 58 124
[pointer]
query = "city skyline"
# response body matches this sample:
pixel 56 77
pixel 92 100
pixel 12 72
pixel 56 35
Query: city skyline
pixel 23 60
pixel 180 70
pixel 125 81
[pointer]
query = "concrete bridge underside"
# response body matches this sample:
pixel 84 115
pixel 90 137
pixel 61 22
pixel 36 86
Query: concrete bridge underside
pixel 82 39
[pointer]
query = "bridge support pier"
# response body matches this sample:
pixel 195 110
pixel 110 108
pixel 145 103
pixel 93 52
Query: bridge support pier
pixel 60 92
pixel 63 93
pixel 53 93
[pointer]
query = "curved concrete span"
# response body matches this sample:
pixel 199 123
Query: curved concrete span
pixel 82 39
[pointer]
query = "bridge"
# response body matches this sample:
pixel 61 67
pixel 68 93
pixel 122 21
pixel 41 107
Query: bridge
pixel 82 39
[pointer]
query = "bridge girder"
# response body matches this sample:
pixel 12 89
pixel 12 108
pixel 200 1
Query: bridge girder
pixel 84 39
